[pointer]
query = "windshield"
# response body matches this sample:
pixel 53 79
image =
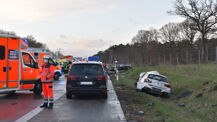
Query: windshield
pixel 86 69
pixel 158 78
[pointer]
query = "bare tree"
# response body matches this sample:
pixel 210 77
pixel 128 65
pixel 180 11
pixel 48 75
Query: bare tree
pixel 188 35
pixel 203 13
pixel 144 36
pixel 34 43
pixel 170 32
pixel 188 31
pixel 7 32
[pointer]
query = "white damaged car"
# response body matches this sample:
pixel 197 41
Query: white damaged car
pixel 154 82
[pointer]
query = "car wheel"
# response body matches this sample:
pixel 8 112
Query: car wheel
pixel 37 88
pixel 105 96
pixel 11 93
pixel 137 90
pixel 166 95
pixel 135 84
pixel 56 76
pixel 68 96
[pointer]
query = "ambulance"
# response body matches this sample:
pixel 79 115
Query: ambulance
pixel 18 68
pixel 39 53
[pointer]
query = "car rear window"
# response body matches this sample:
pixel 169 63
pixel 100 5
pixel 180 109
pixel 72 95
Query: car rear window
pixel 2 52
pixel 86 69
pixel 158 78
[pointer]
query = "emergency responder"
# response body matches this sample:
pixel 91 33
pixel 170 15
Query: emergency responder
pixel 47 86
pixel 66 68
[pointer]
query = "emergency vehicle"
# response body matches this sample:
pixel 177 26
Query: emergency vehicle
pixel 93 58
pixel 39 53
pixel 18 69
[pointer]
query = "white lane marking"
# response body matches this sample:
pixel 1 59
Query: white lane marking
pixel 35 111
pixel 118 107
pixel 116 102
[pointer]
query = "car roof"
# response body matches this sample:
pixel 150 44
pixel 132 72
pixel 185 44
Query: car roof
pixel 88 62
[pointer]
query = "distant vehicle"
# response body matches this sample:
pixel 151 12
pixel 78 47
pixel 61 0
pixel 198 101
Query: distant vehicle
pixel 124 67
pixel 39 53
pixel 86 78
pixel 154 82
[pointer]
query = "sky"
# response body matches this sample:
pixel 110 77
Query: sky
pixel 83 27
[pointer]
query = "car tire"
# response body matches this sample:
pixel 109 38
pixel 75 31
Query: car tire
pixel 165 95
pixel 105 96
pixel 11 93
pixel 37 88
pixel 56 76
pixel 135 84
pixel 68 96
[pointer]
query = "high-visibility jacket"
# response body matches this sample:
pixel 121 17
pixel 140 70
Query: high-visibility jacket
pixel 47 73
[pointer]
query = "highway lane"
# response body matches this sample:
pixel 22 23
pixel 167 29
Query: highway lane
pixel 22 106
pixel 84 109
pixel 18 105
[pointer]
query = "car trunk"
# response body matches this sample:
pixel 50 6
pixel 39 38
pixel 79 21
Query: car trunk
pixel 158 85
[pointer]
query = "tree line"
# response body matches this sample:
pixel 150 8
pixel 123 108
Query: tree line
pixel 191 41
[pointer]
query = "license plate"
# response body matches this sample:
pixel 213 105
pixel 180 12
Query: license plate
pixel 86 83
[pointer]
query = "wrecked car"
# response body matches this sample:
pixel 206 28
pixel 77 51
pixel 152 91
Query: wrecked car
pixel 153 82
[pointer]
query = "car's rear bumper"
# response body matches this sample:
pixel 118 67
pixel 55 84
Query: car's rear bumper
pixel 77 90
pixel 157 91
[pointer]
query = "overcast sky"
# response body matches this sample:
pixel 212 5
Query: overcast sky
pixel 83 27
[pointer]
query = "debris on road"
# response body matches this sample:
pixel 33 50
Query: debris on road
pixel 215 88
pixel 141 112
pixel 181 105
pixel 199 95
pixel 151 104
pixel 214 105
pixel 118 87
pixel 185 94
pixel 206 83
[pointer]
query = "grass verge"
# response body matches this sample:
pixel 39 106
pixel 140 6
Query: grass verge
pixel 200 106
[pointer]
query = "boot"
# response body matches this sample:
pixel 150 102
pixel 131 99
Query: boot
pixel 45 105
pixel 50 106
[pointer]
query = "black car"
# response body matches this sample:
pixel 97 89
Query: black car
pixel 86 78
pixel 124 67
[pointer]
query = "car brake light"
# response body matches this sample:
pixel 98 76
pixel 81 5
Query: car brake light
pixel 101 77
pixel 71 77
pixel 167 85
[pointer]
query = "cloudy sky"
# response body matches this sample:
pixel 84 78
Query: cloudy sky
pixel 83 27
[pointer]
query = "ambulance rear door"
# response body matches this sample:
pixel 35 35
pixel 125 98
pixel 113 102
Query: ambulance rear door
pixel 13 63
pixel 9 63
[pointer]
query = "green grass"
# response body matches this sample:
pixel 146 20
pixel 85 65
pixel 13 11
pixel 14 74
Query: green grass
pixel 182 79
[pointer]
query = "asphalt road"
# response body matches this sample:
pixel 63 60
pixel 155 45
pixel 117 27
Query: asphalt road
pixel 16 106
pixel 24 106
pixel 84 109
